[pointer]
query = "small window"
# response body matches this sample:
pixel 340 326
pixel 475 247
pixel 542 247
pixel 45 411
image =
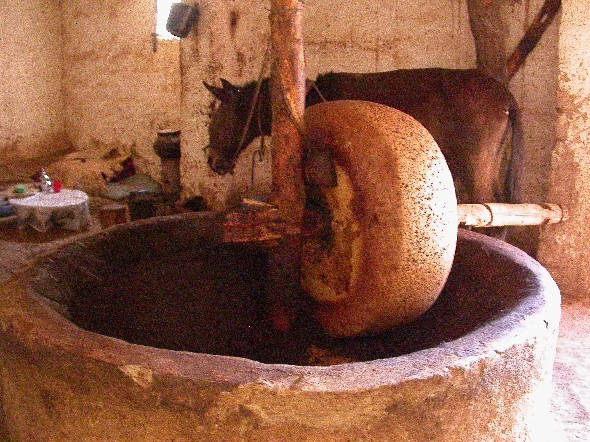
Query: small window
pixel 162 12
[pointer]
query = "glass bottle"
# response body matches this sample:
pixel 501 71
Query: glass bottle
pixel 46 184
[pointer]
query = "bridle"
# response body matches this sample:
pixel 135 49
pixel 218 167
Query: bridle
pixel 255 103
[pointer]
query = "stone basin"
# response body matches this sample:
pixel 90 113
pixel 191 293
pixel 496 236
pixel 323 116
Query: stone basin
pixel 154 330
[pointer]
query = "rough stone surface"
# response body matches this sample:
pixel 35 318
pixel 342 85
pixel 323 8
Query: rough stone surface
pixel 488 382
pixel 394 218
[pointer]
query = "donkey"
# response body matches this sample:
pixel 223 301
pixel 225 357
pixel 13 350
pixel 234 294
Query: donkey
pixel 470 115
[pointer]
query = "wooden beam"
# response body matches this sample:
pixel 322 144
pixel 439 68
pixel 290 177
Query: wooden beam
pixel 288 104
pixel 285 298
pixel 501 214
pixel 532 36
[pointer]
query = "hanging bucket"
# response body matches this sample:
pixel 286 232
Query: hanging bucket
pixel 181 19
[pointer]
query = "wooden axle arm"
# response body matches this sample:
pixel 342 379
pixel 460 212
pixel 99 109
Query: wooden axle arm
pixel 502 214
pixel 260 221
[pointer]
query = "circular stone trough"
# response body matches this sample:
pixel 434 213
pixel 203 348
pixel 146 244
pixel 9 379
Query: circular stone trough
pixel 155 330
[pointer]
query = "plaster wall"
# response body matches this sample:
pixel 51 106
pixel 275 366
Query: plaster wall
pixel 357 36
pixel 118 91
pixel 497 28
pixel 565 248
pixel 535 88
pixel 31 99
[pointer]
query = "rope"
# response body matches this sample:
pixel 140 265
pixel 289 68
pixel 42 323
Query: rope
pixel 315 87
pixel 254 102
pixel 290 111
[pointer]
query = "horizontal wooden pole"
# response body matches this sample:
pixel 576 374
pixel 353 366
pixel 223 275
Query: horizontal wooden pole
pixel 470 215
pixel 501 214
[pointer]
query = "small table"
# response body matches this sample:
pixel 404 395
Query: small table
pixel 67 209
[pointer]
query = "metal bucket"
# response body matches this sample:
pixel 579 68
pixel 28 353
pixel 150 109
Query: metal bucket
pixel 181 19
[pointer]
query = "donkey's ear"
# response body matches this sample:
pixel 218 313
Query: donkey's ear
pixel 216 91
pixel 227 85
pixel 221 93
pixel 308 85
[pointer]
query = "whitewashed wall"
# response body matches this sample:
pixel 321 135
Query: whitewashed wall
pixel 31 100
pixel 498 27
pixel 565 248
pixel 118 91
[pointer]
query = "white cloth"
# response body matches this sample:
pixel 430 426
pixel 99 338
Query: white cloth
pixel 67 209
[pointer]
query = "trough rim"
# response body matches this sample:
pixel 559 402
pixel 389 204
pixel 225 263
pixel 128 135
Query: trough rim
pixel 29 319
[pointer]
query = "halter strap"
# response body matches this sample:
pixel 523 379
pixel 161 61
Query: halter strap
pixel 314 86
pixel 254 102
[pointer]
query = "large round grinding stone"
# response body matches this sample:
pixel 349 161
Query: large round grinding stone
pixel 393 219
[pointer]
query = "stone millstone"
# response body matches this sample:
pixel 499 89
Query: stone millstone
pixel 393 219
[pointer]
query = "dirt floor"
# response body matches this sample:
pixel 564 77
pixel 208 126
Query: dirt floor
pixel 571 374
pixel 571 381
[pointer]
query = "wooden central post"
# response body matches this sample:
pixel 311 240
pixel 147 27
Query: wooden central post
pixel 288 104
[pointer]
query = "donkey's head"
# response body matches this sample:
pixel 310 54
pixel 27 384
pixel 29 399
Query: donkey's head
pixel 231 129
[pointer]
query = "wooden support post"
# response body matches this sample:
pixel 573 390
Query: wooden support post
pixel 533 35
pixel 288 104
